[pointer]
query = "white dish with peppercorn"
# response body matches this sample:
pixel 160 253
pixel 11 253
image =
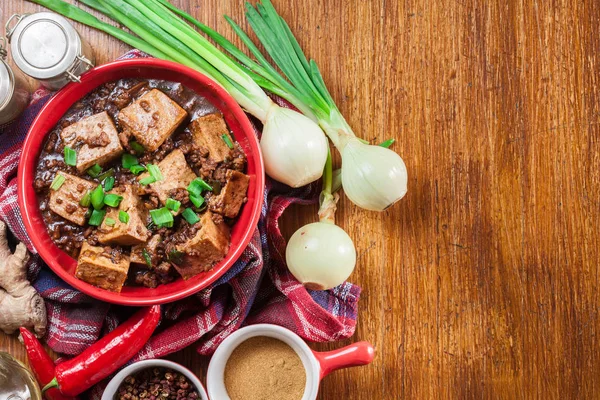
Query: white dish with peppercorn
pixel 178 378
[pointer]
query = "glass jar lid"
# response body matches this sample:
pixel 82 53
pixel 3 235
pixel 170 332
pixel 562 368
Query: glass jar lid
pixel 44 45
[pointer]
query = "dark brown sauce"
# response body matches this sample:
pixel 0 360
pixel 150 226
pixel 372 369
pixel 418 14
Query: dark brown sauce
pixel 112 97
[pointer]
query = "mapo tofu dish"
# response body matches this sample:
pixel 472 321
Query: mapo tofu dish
pixel 141 181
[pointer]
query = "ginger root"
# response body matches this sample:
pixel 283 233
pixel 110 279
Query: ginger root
pixel 20 303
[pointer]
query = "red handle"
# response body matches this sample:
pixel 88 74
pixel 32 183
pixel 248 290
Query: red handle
pixel 360 353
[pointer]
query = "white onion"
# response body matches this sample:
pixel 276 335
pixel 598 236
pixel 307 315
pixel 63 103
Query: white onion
pixel 373 177
pixel 321 255
pixel 294 148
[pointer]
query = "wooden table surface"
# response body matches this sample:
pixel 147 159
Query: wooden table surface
pixel 482 282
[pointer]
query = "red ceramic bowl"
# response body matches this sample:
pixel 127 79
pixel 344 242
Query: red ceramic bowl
pixel 55 108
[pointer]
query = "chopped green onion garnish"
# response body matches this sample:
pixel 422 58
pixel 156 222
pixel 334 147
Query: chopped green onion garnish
pixel 112 200
pixel 57 182
pixel 197 200
pixel 86 200
pixel 106 174
pixel 190 216
pixel 110 222
pixel 70 156
pixel 162 217
pixel 129 160
pixel 97 198
pixel 147 257
pixel 138 148
pixel 97 217
pixel 387 143
pixel 109 183
pixel 173 205
pixel 175 256
pixel 197 186
pixel 155 172
pixel 137 169
pixel 123 217
pixel 94 170
pixel 147 180
pixel 227 141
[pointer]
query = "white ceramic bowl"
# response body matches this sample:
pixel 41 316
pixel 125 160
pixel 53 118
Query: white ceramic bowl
pixel 317 365
pixel 113 385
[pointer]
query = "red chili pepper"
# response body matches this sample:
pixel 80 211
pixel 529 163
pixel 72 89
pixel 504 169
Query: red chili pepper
pixel 106 355
pixel 41 364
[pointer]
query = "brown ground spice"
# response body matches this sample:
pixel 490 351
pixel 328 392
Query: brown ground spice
pixel 264 368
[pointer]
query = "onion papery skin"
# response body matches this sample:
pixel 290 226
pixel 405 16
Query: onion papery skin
pixel 321 255
pixel 373 177
pixel 294 148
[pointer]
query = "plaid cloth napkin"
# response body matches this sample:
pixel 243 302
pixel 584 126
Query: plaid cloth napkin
pixel 257 289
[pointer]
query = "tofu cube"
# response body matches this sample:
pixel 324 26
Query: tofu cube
pixel 102 267
pixel 152 118
pixel 137 251
pixel 95 139
pixel 176 173
pixel 232 196
pixel 65 200
pixel 132 232
pixel 207 247
pixel 208 131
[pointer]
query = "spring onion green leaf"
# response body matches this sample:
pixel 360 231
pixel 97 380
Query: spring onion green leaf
pixel 387 143
pixel 94 171
pixel 190 216
pixel 155 172
pixel 197 201
pixel 173 205
pixel 196 187
pixel 109 183
pixel 147 257
pixel 110 222
pixel 138 148
pixel 137 169
pixel 57 182
pixel 112 200
pixel 175 256
pixel 162 217
pixel 97 217
pixel 104 175
pixel 129 160
pixel 86 200
pixel 147 180
pixel 97 198
pixel 123 217
pixel 70 156
pixel 227 141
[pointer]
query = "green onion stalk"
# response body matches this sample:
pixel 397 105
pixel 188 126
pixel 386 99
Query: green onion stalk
pixel 321 255
pixel 373 177
pixel 294 147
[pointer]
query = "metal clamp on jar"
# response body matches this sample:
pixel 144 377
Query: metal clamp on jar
pixel 46 47
pixel 14 93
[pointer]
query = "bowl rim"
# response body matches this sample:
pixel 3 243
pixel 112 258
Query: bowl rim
pixel 115 382
pixel 27 167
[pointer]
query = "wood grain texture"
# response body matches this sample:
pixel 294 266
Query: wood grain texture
pixel 481 283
